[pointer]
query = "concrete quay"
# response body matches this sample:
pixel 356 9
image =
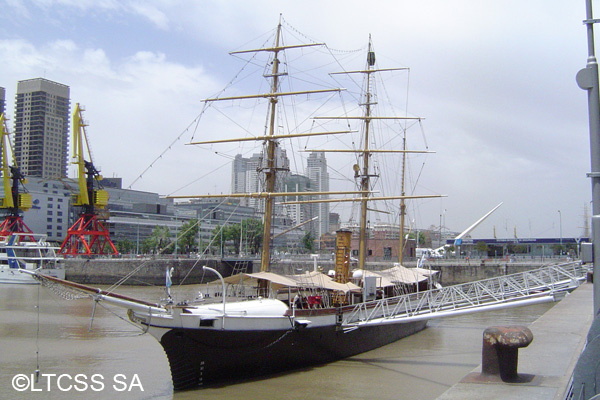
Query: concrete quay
pixel 151 270
pixel 559 337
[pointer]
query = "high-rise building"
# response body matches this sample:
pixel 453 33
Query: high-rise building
pixel 244 177
pixel 42 128
pixel 2 100
pixel 299 213
pixel 316 170
pixel 247 175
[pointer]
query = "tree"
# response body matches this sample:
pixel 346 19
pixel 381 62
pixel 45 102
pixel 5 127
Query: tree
pixel 232 233
pixel 125 246
pixel 413 236
pixel 481 248
pixel 188 239
pixel 308 241
pixel 252 231
pixel 160 241
pixel 251 235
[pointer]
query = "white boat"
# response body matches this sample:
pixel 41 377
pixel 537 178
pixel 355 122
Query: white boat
pixel 28 251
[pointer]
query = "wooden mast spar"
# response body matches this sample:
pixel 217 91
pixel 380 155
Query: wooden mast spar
pixel 366 153
pixel 270 170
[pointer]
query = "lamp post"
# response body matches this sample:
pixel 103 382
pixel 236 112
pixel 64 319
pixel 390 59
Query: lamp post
pixel 560 227
pixel 587 79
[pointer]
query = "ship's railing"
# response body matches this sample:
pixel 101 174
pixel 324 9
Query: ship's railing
pixel 546 281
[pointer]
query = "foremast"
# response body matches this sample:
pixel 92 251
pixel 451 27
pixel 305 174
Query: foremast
pixel 270 173
pixel 270 169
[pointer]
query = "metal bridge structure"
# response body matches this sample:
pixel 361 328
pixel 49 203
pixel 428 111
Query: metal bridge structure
pixel 544 284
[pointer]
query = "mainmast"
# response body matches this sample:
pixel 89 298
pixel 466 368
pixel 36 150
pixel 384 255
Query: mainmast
pixel 364 174
pixel 365 178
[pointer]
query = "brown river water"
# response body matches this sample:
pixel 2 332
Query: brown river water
pixel 41 331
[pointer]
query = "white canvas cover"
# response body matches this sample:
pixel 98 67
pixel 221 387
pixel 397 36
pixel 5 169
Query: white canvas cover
pixel 400 275
pixel 307 280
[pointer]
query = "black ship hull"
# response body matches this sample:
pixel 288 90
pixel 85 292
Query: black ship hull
pixel 201 357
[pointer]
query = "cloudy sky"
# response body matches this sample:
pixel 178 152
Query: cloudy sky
pixel 494 80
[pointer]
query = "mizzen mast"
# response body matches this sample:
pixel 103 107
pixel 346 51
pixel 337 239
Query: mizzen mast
pixel 401 243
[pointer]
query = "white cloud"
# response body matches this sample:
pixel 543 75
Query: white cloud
pixel 153 14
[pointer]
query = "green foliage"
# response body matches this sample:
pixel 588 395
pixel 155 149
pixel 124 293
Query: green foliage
pixel 229 236
pixel 422 240
pixel 308 241
pixel 481 247
pixel 253 234
pixel 125 246
pixel 159 242
pixel 188 238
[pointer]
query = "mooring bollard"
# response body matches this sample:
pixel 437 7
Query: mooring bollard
pixel 500 353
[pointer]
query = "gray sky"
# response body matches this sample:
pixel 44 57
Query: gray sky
pixel 494 80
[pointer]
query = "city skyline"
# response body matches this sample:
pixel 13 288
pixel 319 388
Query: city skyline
pixel 494 82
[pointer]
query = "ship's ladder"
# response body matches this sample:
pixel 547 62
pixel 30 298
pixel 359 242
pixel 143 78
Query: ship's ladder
pixel 530 287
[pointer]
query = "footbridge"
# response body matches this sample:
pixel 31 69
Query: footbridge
pixel 544 284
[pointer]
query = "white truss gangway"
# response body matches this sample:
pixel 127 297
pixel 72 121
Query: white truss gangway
pixel 536 286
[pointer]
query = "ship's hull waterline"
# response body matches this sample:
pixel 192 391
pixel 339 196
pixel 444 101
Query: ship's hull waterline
pixel 203 357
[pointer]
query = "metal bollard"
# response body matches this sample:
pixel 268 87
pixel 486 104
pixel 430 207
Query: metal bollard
pixel 500 352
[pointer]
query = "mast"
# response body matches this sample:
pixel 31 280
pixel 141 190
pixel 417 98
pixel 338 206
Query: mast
pixel 365 179
pixel 270 170
pixel 366 154
pixel 402 205
pixel 269 165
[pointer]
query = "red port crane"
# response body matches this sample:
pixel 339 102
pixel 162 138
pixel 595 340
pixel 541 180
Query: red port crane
pixel 87 236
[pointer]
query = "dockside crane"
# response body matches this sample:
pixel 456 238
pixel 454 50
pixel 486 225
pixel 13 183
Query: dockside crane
pixel 87 236
pixel 14 201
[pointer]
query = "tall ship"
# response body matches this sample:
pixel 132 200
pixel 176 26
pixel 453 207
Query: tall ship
pixel 260 323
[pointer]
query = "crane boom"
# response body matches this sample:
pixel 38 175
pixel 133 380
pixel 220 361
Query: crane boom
pixel 87 174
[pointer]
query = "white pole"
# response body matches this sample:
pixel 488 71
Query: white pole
pixel 223 287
